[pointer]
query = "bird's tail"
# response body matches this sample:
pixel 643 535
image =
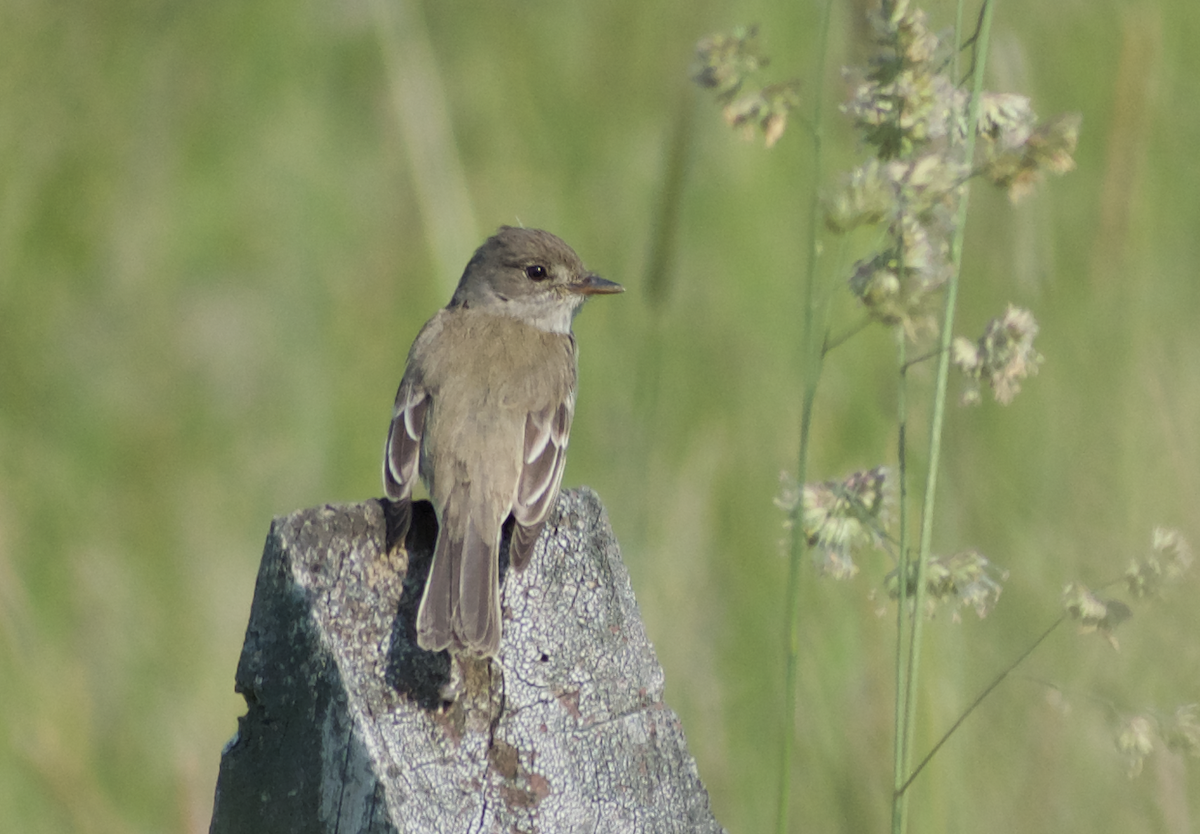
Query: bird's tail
pixel 461 604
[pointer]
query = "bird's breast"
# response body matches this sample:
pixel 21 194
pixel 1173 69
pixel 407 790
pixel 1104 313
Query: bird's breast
pixel 491 361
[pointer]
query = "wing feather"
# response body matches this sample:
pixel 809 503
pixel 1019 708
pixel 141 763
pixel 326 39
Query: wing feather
pixel 546 435
pixel 402 453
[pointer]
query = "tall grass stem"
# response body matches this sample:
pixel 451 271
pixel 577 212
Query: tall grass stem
pixel 937 419
pixel 812 339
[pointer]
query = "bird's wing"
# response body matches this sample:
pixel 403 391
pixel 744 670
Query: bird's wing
pixel 402 453
pixel 543 459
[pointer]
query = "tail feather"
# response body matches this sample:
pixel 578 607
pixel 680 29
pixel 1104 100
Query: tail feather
pixel 476 621
pixel 436 613
pixel 520 548
pixel 460 608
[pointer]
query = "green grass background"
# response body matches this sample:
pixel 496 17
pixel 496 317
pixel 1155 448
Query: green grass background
pixel 222 223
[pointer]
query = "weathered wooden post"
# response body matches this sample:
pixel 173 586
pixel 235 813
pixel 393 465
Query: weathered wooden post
pixel 347 729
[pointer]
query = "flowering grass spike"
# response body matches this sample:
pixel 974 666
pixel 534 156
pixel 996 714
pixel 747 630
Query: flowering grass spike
pixel 1002 357
pixel 839 517
pixel 724 62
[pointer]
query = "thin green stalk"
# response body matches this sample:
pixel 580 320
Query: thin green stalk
pixel 812 336
pixel 987 690
pixel 958 28
pixel 898 760
pixel 659 277
pixel 832 344
pixel 799 548
pixel 939 404
pixel 419 101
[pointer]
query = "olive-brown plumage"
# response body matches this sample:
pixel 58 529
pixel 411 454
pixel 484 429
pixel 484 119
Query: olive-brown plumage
pixel 482 416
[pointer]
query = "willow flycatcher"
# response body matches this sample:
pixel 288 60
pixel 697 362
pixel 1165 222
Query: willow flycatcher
pixel 482 415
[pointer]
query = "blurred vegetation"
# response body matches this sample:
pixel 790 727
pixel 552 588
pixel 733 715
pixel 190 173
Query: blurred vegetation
pixel 221 225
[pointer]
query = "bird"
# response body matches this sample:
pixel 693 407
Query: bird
pixel 482 416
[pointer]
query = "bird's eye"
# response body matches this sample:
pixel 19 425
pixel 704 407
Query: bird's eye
pixel 536 272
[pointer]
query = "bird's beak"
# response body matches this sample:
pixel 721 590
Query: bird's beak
pixel 593 284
